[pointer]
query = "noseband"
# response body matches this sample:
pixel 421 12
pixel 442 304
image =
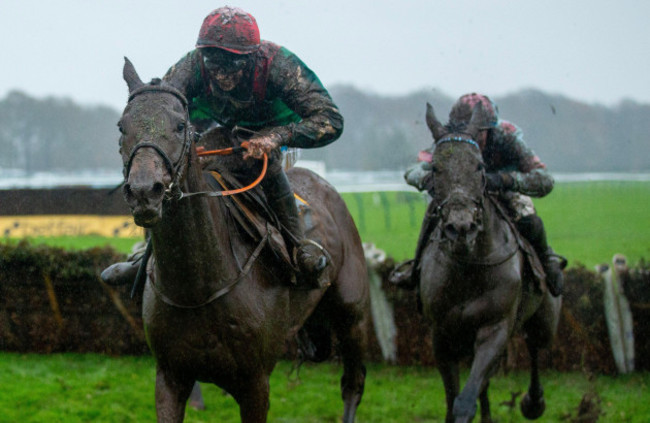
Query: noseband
pixel 175 169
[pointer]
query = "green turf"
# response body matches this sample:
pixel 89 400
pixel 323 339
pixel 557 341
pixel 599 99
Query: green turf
pixel 588 222
pixel 75 388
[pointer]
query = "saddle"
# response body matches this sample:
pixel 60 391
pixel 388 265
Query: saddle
pixel 253 217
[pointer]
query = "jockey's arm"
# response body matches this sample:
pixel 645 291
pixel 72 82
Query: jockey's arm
pixel 299 88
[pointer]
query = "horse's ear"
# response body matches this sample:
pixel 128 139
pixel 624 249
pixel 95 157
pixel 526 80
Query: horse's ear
pixel 436 128
pixel 131 76
pixel 476 123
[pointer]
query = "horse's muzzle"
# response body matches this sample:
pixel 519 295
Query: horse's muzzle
pixel 461 229
pixel 145 202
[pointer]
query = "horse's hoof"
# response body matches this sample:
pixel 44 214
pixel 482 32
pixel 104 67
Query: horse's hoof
pixel 464 410
pixel 532 409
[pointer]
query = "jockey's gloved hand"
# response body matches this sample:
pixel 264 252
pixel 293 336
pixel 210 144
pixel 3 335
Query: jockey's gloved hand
pixel 499 181
pixel 416 175
pixel 262 144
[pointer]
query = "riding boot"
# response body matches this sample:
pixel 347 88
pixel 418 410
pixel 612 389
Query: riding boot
pixel 120 273
pixel 130 271
pixel 532 228
pixel 307 255
pixel 406 274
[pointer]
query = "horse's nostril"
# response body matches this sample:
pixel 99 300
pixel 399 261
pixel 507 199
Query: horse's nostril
pixel 158 189
pixel 128 192
pixel 451 231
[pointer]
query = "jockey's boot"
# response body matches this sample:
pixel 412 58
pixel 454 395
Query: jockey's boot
pixel 125 272
pixel 532 228
pixel 308 256
pixel 121 273
pixel 406 274
pixel 553 266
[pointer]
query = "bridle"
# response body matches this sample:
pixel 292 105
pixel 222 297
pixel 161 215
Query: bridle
pixel 492 260
pixel 173 191
pixel 177 168
pixel 479 203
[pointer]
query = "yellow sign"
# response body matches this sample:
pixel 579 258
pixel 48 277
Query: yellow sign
pixel 69 225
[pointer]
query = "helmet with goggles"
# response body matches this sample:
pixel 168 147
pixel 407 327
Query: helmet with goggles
pixel 230 29
pixel 461 111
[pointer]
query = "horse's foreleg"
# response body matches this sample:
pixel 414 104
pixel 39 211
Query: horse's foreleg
pixel 450 379
pixel 490 344
pixel 352 344
pixel 171 397
pixel 253 399
pixel 448 368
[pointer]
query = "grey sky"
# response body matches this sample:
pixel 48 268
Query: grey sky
pixel 594 51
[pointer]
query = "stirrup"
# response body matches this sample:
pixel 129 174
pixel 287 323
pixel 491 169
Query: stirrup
pixel 313 276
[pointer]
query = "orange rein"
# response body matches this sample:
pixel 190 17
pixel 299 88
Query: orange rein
pixel 201 152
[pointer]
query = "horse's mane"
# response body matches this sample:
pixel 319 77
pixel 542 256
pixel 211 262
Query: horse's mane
pixel 456 127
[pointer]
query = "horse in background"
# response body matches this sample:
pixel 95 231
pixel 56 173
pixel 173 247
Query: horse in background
pixel 475 285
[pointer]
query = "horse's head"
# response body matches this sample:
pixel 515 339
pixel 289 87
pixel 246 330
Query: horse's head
pixel 155 144
pixel 458 179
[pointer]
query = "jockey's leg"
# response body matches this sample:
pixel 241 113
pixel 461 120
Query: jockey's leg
pixel 123 273
pixel 309 256
pixel 531 227
pixel 406 274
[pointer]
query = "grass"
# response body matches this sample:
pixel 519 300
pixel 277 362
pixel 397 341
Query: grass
pixel 588 222
pixel 93 388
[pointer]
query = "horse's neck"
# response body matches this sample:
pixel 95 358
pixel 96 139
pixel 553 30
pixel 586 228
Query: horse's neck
pixel 191 243
pixel 496 232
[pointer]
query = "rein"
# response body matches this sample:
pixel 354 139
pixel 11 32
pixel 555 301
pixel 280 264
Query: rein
pixel 222 291
pixel 176 169
pixel 223 152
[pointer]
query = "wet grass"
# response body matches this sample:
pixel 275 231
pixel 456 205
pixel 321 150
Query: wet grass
pixel 94 388
pixel 588 222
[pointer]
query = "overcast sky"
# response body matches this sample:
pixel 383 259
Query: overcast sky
pixel 595 51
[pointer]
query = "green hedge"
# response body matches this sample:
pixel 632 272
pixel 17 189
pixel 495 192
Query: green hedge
pixel 52 300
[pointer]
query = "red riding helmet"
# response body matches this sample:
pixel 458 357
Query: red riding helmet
pixel 461 111
pixel 230 29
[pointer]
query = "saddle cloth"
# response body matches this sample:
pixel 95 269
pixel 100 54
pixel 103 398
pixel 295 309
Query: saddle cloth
pixel 254 217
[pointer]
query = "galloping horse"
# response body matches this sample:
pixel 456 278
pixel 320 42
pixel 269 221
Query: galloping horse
pixel 474 283
pixel 216 306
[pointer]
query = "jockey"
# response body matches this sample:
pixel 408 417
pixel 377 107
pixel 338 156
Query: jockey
pixel 234 79
pixel 513 171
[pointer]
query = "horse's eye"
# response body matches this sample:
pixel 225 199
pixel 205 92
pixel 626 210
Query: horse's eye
pixel 480 167
pixel 434 169
pixel 180 127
